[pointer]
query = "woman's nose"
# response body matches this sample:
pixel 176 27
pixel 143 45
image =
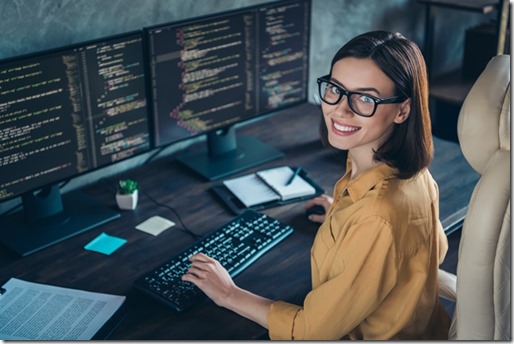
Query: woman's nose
pixel 343 107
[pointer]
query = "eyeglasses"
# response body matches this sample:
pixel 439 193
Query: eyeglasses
pixel 361 103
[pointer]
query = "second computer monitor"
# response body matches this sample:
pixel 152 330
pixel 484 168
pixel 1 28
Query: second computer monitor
pixel 210 73
pixel 63 113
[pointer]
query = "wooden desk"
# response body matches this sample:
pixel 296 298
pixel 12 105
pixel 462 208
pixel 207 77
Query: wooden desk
pixel 283 273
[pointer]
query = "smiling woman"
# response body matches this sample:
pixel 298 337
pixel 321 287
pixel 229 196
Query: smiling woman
pixel 376 255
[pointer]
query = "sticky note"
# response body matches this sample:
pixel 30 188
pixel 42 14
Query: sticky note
pixel 105 244
pixel 155 225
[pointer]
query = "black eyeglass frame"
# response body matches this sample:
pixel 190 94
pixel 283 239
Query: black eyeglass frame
pixel 348 94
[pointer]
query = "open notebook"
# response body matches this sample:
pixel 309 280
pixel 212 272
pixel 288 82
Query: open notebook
pixel 269 185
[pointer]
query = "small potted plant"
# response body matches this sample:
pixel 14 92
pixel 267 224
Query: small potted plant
pixel 127 194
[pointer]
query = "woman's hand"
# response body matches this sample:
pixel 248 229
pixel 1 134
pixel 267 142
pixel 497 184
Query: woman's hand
pixel 212 278
pixel 325 201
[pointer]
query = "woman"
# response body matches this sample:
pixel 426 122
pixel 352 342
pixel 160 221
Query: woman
pixel 375 257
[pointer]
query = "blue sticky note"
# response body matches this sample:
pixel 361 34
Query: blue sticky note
pixel 105 244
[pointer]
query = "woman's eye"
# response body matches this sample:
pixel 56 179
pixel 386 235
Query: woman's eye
pixel 334 90
pixel 365 99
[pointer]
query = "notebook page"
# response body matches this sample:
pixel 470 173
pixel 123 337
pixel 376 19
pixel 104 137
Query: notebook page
pixel 278 177
pixel 251 190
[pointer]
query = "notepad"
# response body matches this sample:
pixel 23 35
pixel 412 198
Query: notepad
pixel 269 185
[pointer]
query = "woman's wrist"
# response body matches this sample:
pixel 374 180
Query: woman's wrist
pixel 248 305
pixel 233 298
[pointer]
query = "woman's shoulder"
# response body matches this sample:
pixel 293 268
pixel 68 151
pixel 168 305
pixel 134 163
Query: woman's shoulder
pixel 395 199
pixel 420 189
pixel 408 206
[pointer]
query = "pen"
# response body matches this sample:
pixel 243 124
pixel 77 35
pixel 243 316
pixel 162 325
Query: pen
pixel 296 172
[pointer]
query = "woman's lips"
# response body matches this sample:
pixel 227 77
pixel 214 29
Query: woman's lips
pixel 343 129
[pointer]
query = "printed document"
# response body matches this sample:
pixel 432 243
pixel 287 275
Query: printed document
pixel 33 311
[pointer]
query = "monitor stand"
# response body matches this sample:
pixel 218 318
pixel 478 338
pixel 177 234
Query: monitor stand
pixel 48 219
pixel 226 154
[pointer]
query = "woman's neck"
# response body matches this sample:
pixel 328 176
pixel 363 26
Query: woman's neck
pixel 362 160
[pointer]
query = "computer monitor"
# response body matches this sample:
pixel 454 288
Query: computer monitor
pixel 208 74
pixel 63 113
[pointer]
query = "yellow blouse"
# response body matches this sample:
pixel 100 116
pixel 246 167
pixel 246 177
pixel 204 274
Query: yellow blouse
pixel 374 264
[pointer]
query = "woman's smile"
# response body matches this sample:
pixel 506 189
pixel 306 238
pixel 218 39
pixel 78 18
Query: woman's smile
pixel 343 129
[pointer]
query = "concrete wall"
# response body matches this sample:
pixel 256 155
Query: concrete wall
pixel 32 25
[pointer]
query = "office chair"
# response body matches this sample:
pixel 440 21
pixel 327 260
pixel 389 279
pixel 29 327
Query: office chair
pixel 481 290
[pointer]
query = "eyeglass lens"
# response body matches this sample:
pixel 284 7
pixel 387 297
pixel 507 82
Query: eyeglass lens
pixel 359 103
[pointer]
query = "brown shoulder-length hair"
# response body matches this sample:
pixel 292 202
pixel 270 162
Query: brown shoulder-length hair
pixel 409 148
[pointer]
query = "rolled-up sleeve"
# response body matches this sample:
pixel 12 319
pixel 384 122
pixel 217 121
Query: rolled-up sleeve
pixel 282 315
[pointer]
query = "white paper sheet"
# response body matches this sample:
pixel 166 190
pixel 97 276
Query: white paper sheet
pixel 155 225
pixel 33 311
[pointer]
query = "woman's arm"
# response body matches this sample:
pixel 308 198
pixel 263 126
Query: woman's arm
pixel 208 275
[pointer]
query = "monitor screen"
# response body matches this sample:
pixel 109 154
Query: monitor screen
pixel 210 73
pixel 66 112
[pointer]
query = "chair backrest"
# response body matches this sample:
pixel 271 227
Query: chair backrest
pixel 483 306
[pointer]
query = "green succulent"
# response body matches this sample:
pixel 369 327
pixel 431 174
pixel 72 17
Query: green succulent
pixel 128 186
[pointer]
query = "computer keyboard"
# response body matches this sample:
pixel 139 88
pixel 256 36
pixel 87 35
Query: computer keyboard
pixel 236 245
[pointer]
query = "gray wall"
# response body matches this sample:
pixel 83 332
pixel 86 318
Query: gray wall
pixel 32 25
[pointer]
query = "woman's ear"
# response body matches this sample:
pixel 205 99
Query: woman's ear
pixel 404 112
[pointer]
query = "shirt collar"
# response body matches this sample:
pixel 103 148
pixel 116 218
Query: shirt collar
pixel 358 187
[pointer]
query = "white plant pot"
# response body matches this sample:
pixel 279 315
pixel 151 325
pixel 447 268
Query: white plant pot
pixel 127 202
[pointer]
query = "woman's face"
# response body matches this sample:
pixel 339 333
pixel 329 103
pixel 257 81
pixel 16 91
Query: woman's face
pixel 349 131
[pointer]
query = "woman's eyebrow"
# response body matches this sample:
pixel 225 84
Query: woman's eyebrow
pixel 361 89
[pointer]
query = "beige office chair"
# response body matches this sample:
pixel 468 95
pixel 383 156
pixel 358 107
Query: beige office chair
pixel 482 286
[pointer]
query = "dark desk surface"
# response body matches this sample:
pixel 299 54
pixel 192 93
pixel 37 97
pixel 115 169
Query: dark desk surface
pixel 283 273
